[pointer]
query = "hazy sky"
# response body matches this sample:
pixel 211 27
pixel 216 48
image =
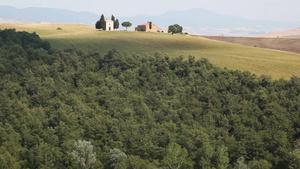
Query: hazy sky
pixel 252 9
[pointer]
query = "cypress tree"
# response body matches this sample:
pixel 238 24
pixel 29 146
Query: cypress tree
pixel 112 18
pixel 102 22
pixel 150 25
pixel 116 24
pixel 97 25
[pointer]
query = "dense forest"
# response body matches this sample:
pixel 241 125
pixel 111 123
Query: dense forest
pixel 69 109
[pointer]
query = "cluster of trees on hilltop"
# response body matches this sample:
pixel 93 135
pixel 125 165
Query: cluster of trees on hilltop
pixel 68 109
pixel 101 23
pixel 175 29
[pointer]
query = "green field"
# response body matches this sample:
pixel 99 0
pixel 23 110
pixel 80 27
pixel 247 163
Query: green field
pixel 260 61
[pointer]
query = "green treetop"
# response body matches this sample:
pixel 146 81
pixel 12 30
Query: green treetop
pixel 126 24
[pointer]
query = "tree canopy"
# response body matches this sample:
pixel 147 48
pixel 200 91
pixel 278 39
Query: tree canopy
pixel 126 24
pixel 175 29
pixel 116 24
pixel 139 111
pixel 101 24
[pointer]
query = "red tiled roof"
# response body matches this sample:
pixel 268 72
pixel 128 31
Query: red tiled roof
pixel 143 24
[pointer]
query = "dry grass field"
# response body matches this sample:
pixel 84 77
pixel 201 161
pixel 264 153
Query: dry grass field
pixel 284 44
pixel 256 60
pixel 286 33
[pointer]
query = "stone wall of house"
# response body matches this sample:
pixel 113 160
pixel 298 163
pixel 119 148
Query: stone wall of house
pixel 146 28
pixel 141 28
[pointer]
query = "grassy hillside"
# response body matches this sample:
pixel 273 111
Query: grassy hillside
pixel 260 61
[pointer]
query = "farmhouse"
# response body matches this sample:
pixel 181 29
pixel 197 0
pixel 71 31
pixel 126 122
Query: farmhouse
pixel 146 28
pixel 109 25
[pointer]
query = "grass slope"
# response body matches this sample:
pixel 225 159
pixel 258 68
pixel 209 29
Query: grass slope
pixel 260 61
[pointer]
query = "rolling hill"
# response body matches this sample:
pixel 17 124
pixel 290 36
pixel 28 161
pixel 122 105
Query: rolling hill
pixel 260 61
pixel 71 109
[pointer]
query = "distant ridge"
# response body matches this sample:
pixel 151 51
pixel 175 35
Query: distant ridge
pixel 194 21
pixel 50 15
pixel 287 33
pixel 12 20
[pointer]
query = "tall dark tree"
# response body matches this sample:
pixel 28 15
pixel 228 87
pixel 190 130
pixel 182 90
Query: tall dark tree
pixel 116 24
pixel 113 18
pixel 102 22
pixel 150 25
pixel 97 25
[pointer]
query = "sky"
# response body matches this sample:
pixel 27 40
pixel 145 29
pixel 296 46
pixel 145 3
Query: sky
pixel 276 10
